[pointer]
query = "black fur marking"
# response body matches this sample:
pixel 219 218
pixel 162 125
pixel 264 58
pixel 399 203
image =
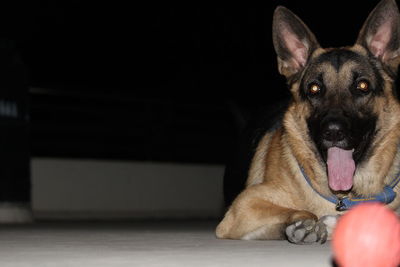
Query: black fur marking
pixel 379 84
pixel 376 90
pixel 369 69
pixel 338 57
pixel 304 87
pixel 359 133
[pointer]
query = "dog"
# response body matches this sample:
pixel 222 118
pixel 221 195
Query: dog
pixel 337 144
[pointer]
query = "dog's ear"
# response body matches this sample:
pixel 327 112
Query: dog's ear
pixel 293 41
pixel 380 33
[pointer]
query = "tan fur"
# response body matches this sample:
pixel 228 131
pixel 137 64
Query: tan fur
pixel 257 168
pixel 276 193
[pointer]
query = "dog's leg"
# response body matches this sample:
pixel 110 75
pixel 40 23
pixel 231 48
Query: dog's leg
pixel 252 216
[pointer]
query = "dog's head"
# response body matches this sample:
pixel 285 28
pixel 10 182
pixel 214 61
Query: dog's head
pixel 345 92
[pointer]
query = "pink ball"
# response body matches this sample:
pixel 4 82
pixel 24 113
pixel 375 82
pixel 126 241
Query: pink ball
pixel 367 235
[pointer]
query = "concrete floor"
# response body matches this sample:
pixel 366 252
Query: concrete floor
pixel 145 244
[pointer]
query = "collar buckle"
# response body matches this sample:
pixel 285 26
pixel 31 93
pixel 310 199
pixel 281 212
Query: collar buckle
pixel 340 205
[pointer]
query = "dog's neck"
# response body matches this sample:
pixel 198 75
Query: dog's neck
pixel 344 203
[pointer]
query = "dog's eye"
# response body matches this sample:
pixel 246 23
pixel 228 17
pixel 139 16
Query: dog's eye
pixel 314 89
pixel 363 86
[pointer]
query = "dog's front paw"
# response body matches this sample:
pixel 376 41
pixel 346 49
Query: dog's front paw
pixel 307 232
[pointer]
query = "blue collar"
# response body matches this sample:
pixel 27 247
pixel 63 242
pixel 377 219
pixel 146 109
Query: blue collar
pixel 345 203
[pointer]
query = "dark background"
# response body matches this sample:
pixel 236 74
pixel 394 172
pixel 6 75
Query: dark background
pixel 176 82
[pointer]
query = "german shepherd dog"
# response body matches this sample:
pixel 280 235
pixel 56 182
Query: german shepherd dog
pixel 337 144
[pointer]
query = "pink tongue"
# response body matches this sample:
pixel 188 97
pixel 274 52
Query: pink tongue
pixel 341 168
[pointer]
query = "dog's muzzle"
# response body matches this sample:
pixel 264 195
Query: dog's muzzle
pixel 335 136
pixel 335 133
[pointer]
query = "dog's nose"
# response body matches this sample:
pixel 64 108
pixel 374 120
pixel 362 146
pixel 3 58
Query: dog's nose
pixel 333 131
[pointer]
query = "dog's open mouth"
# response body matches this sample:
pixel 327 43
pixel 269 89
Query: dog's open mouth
pixel 341 167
